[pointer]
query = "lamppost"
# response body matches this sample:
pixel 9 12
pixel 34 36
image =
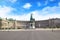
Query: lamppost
pixel 53 24
pixel 14 24
pixel 39 25
pixel 15 27
pixel 8 24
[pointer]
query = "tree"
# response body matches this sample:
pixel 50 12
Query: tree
pixel 0 22
pixel 10 19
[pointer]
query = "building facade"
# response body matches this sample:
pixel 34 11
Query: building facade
pixel 17 24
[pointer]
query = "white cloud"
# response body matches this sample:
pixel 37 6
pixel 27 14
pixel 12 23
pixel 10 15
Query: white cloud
pixel 59 3
pixel 4 11
pixel 51 0
pixel 46 2
pixel 46 13
pixel 39 4
pixel 12 1
pixel 27 6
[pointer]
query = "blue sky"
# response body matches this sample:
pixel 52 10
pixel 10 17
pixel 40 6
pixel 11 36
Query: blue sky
pixel 22 9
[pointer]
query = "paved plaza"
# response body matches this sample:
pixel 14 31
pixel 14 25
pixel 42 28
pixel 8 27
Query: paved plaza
pixel 30 35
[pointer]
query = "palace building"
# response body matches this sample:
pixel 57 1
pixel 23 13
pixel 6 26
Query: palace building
pixel 17 24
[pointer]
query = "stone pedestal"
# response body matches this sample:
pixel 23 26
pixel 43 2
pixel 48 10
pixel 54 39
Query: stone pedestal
pixel 32 25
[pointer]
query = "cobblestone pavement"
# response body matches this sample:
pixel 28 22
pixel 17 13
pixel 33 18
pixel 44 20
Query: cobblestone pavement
pixel 30 35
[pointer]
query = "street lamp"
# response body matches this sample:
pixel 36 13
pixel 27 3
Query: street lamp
pixel 39 25
pixel 8 24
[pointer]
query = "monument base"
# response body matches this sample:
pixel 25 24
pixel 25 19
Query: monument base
pixel 32 27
